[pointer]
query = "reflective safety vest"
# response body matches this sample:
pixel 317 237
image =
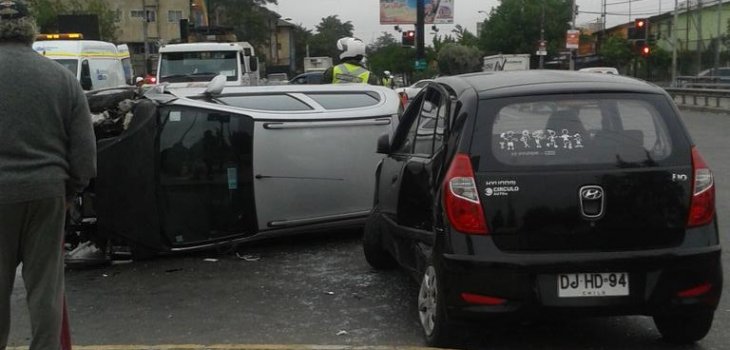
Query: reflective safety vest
pixel 387 82
pixel 349 73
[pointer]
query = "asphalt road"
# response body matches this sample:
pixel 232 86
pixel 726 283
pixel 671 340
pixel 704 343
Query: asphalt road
pixel 319 290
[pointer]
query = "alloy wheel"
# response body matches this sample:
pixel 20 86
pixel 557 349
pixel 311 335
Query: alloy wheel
pixel 427 300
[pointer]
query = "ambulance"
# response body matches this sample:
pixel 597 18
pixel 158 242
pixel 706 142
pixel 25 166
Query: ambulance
pixel 96 64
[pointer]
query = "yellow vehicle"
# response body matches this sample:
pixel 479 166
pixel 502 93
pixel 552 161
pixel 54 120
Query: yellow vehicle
pixel 96 64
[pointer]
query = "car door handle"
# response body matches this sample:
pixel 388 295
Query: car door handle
pixel 394 179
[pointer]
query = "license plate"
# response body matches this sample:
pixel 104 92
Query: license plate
pixel 577 285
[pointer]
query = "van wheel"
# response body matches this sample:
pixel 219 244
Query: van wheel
pixel 437 330
pixel 684 328
pixel 375 253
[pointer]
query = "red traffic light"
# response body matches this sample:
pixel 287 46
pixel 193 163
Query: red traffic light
pixel 409 38
pixel 640 23
pixel 645 50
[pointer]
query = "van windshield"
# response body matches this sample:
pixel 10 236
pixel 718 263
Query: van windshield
pixel 71 65
pixel 198 66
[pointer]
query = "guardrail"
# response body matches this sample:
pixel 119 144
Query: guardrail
pixel 716 99
pixel 705 82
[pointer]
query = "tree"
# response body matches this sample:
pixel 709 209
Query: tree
pixel 464 36
pixel 329 30
pixel 46 14
pixel 250 19
pixel 616 51
pixel 302 36
pixel 440 40
pixel 388 54
pixel 513 27
pixel 458 59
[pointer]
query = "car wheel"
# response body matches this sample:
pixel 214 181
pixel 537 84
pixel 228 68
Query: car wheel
pixel 684 328
pixel 375 253
pixel 437 330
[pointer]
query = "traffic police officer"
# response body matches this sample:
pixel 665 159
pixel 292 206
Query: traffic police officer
pixel 350 69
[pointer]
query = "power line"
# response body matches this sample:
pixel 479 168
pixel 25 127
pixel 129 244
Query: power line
pixel 619 13
pixel 623 2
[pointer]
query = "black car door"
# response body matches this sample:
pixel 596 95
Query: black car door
pixel 401 148
pixel 417 184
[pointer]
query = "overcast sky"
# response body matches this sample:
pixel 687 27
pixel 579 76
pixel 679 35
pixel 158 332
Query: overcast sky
pixel 364 14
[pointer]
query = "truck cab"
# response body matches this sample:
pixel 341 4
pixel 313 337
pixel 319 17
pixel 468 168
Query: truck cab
pixel 198 62
pixel 96 64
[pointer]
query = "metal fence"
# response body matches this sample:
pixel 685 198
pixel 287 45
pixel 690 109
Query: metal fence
pixel 711 99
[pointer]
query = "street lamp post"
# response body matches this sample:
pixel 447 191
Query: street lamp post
pixel 572 61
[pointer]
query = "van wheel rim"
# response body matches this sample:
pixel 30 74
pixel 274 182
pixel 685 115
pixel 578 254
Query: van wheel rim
pixel 427 299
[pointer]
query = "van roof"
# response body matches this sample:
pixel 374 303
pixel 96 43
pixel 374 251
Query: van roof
pixel 75 48
pixel 192 47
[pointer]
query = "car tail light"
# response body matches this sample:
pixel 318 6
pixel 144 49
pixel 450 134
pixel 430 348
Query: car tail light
pixel 461 198
pixel 150 80
pixel 702 205
pixel 696 291
pixel 482 299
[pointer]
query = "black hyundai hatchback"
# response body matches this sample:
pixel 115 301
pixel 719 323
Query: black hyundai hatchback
pixel 521 195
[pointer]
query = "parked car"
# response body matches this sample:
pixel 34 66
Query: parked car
pixel 307 78
pixel 592 200
pixel 188 169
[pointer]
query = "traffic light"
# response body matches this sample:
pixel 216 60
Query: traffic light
pixel 409 38
pixel 640 28
pixel 645 50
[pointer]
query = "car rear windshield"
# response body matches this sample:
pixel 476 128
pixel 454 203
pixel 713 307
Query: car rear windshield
pixel 569 130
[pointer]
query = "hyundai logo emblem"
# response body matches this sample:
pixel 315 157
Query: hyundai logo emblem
pixel 591 193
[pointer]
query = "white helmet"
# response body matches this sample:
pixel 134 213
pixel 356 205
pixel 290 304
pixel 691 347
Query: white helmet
pixel 351 47
pixel 387 73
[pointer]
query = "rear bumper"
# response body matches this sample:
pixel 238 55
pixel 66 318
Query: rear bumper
pixel 529 283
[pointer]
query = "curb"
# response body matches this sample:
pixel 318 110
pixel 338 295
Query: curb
pixel 236 347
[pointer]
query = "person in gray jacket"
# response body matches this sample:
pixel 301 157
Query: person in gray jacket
pixel 47 154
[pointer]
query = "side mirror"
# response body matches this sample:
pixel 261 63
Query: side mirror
pixel 254 63
pixel 215 87
pixel 85 78
pixel 384 144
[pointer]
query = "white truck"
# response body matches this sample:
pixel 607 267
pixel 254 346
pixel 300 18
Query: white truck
pixel 506 62
pixel 317 64
pixel 201 61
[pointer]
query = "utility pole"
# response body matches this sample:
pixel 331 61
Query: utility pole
pixel 420 30
pixel 572 60
pixel 542 35
pixel 675 43
pixel 603 17
pixel 718 40
pixel 699 36
pixel 145 25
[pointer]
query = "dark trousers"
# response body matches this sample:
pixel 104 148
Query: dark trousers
pixel 32 233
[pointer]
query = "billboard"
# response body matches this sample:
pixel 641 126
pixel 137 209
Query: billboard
pixel 404 11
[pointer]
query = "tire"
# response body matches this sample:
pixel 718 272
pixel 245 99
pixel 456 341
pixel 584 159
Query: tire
pixel 375 254
pixel 436 329
pixel 684 328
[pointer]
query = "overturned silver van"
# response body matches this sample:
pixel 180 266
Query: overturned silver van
pixel 193 169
